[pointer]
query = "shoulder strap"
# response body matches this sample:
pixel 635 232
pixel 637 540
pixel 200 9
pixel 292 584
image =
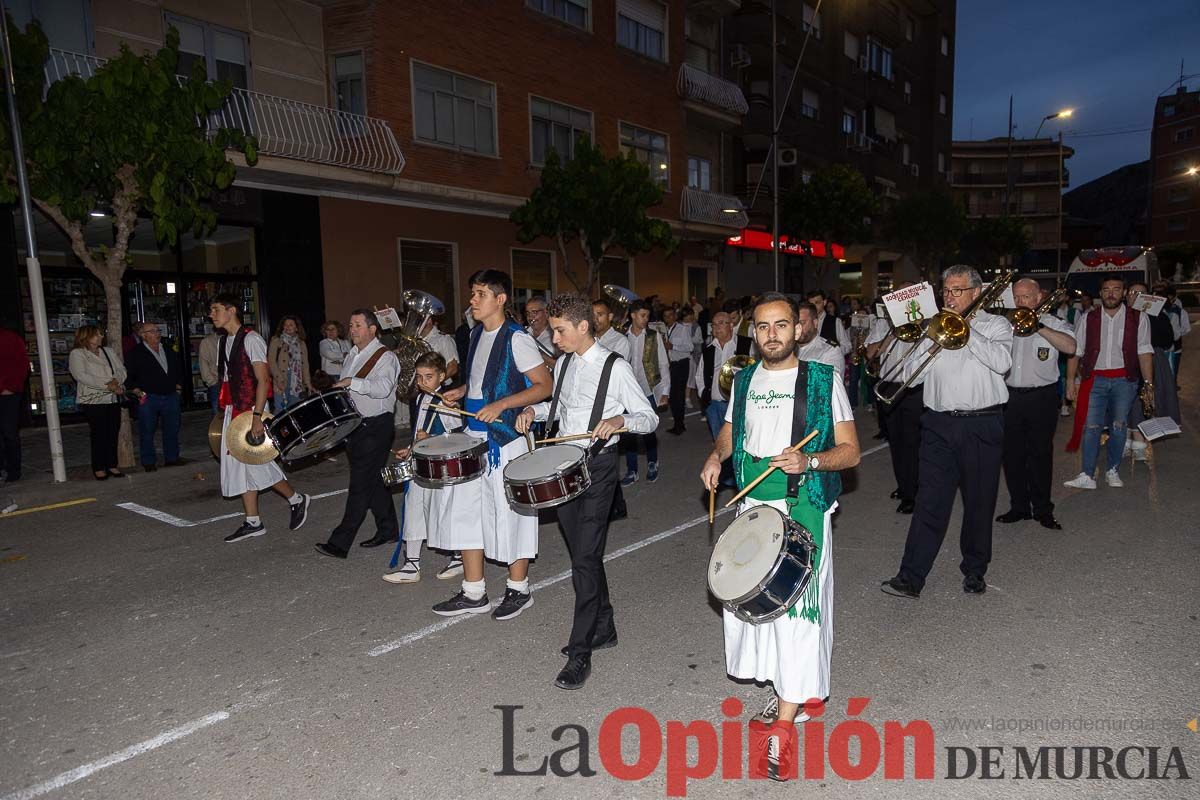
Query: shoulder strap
pixel 602 392
pixel 371 362
pixel 104 350
pixel 552 423
pixel 222 365
pixel 799 421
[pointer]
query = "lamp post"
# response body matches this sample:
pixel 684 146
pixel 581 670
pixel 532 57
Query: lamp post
pixel 1064 114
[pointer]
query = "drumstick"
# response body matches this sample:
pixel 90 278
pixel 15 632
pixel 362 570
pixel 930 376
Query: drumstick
pixel 576 437
pixel 712 507
pixel 763 477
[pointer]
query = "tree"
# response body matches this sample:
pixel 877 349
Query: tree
pixel 929 225
pixel 597 201
pixel 133 139
pixel 990 239
pixel 834 206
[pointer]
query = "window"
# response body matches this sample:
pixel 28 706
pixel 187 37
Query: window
pixel 531 274
pixel 699 173
pixel 1168 110
pixel 557 127
pixel 812 21
pixel 849 121
pixel 1177 225
pixel 66 23
pixel 810 104
pixel 572 12
pixel 945 45
pixel 910 28
pixel 905 154
pixel 700 44
pixel 879 58
pixel 850 46
pixel 641 27
pixel 348 83
pixel 223 53
pixel 805 176
pixel 453 110
pixel 941 162
pixel 942 103
pixel 649 148
pixel 430 267
pixel 1179 194
pixel 614 269
pixel 1185 134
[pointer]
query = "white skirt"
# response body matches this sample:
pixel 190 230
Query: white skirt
pixel 424 510
pixel 790 653
pixel 478 516
pixel 238 477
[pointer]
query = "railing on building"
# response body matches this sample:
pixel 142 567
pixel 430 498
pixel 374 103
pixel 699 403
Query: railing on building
pixel 696 84
pixel 284 128
pixel 711 208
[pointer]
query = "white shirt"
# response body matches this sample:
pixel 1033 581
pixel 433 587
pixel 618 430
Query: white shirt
pixel 546 340
pixel 637 346
pixel 820 350
pixel 1035 360
pixel 333 355
pixel 376 393
pixel 624 397
pixel 160 355
pixel 449 420
pixel 970 378
pixel 1181 324
pixel 888 355
pixel 254 346
pixel 769 409
pixel 843 340
pixel 615 341
pixel 721 354
pixel 1112 338
pixel 526 356
pixel 442 344
pixel 680 337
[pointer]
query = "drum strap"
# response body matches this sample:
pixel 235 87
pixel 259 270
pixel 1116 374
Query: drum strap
pixel 370 365
pixel 799 422
pixel 565 362
pixel 602 392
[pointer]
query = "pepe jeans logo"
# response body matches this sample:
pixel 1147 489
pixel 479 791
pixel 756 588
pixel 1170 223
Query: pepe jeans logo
pixel 768 399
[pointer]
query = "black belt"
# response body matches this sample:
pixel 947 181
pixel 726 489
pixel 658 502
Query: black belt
pixel 975 412
pixel 1027 389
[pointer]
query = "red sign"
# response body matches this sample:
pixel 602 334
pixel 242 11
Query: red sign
pixel 761 240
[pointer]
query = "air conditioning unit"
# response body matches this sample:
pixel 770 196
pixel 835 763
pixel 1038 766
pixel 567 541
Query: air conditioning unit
pixel 863 64
pixel 914 169
pixel 740 57
pixel 787 157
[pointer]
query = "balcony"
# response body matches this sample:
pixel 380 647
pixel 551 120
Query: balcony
pixel 711 93
pixel 995 208
pixel 284 128
pixel 1019 178
pixel 709 208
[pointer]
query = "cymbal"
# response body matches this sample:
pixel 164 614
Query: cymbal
pixel 214 435
pixel 240 447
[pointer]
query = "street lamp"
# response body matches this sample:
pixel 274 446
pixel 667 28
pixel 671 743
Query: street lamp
pixel 1064 114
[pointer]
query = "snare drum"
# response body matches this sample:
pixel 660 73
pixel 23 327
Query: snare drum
pixel 397 472
pixel 314 425
pixel 448 459
pixel 761 564
pixel 547 477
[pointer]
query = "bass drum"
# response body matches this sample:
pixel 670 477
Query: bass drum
pixel 314 425
pixel 761 565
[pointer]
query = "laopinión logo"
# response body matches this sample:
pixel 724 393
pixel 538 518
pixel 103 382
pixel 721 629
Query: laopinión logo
pixel 737 750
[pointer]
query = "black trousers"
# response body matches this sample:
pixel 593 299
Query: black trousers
pixel 368 449
pixel 584 522
pixel 958 454
pixel 678 396
pixel 1029 422
pixel 10 435
pixel 902 426
pixel 104 426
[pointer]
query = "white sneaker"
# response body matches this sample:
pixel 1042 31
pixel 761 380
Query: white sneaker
pixel 1081 481
pixel 1066 411
pixel 1139 451
pixel 453 568
pixel 1112 478
pixel 409 572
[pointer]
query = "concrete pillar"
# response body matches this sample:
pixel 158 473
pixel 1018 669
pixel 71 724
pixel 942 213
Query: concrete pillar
pixel 870 273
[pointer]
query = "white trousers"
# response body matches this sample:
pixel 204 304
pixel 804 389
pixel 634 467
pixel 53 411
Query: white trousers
pixel 237 477
pixel 478 516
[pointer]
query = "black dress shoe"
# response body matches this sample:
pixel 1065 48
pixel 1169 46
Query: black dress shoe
pixel 895 495
pixel 1048 521
pixel 149 467
pixel 597 644
pixel 326 549
pixel 676 430
pixel 906 507
pixel 1014 516
pixel 974 584
pixel 900 587
pixel 575 674
pixel 377 540
pixel 616 515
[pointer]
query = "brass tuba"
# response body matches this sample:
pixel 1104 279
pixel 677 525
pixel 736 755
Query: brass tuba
pixel 622 299
pixel 729 371
pixel 418 308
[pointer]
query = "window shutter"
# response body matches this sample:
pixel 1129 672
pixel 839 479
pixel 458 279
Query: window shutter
pixel 650 13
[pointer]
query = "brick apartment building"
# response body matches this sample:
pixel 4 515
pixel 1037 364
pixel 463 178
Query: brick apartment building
pixel 1174 214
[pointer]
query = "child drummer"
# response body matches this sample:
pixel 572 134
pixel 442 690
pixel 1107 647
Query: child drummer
pixel 424 508
pixel 594 392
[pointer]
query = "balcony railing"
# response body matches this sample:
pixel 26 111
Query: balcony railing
pixel 696 84
pixel 1018 178
pixel 284 128
pixel 711 208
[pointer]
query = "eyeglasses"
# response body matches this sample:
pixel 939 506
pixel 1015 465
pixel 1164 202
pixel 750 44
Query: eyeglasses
pixel 948 292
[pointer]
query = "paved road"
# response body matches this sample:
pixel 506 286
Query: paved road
pixel 142 659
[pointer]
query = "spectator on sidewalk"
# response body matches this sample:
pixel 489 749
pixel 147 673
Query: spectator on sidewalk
pixel 14 371
pixel 333 348
pixel 155 377
pixel 288 359
pixel 208 369
pixel 99 376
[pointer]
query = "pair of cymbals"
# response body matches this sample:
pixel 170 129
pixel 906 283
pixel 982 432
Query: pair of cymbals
pixel 237 437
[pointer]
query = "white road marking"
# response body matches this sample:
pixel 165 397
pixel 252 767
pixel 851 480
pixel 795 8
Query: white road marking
pixel 180 522
pixel 874 449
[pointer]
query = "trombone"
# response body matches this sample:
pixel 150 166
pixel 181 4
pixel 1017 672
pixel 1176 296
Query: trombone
pixel 909 333
pixel 948 330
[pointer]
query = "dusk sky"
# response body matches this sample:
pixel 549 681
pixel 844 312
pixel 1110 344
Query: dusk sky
pixel 1108 60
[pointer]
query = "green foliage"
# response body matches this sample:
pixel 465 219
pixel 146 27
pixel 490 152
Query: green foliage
pixel 831 207
pixel 989 239
pixel 597 201
pixel 929 225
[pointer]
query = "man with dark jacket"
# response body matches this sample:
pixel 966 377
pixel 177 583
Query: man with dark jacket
pixel 154 376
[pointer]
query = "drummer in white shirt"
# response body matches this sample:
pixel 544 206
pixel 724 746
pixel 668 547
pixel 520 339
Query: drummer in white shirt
pixel 595 392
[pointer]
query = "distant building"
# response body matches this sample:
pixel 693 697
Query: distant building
pixel 1174 151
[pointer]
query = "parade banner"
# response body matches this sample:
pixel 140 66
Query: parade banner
pixel 911 304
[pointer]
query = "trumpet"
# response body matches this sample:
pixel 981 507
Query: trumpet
pixel 948 330
pixel 1025 320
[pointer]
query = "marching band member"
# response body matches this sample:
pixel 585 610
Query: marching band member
pixel 829 327
pixel 648 357
pixel 369 372
pixel 504 373
pixel 245 378
pixel 1031 414
pixel 811 347
pixel 962 435
pixel 424 508
pixel 595 391
pixel 679 344
pixel 539 329
pixel 901 419
pixel 614 341
pixel 793 651
pixel 724 346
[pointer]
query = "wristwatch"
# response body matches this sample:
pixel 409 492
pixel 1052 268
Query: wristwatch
pixel 814 463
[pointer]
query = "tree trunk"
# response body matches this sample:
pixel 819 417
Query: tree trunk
pixel 115 315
